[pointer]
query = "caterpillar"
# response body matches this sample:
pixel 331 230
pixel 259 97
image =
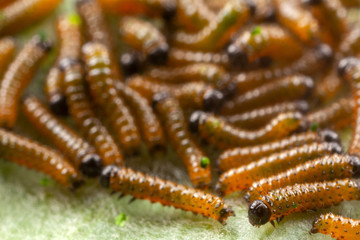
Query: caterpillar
pixel 131 62
pixel 97 29
pixel 104 93
pixel 176 127
pixel 336 226
pixel 206 72
pixel 223 135
pixel 167 193
pixel 327 168
pixel 23 13
pixel 350 44
pixel 239 156
pixel 218 32
pixel 193 95
pixel 81 154
pixel 264 40
pixel 349 69
pixel 311 61
pixel 17 77
pixel 301 197
pixel 152 131
pixel 259 117
pixel 166 9
pixel 178 57
pixel 292 15
pixel 241 178
pixel 265 11
pixel 289 88
pixel 337 115
pixel 192 16
pixel 7 50
pixel 81 110
pixel 28 153
pixel 151 41
pixel 70 41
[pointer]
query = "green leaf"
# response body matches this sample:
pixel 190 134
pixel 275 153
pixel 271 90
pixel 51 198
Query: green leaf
pixel 256 30
pixel 314 127
pixel 204 162
pixel 121 219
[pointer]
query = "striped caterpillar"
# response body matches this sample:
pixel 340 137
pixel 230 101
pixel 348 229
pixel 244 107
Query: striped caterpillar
pixel 218 32
pixel 81 154
pixel 17 77
pixel 264 40
pixel 151 41
pixel 238 179
pixel 178 57
pixel 32 155
pixel 261 116
pixel 177 130
pixel 285 89
pixel 326 168
pixel 23 13
pixel 7 50
pixel 299 198
pixel 239 156
pixel 223 135
pixel 193 95
pixel 336 226
pixel 167 193
pixel 102 88
pixel 81 110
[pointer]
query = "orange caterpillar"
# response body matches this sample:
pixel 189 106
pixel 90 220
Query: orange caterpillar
pixel 310 62
pixel 240 156
pixel 23 13
pixel 193 95
pixel 195 160
pixel 97 29
pixel 81 154
pixel 167 193
pixel 263 41
pixel 238 179
pixel 81 110
pixel 7 50
pixel 32 155
pixel 337 115
pixel 289 88
pixel 70 40
pixel 102 87
pixel 327 168
pixel 193 15
pixel 218 32
pixel 179 57
pixel 151 41
pixel 349 69
pixel 17 77
pixel 336 226
pixel 152 132
pixel 301 197
pixel 292 15
pixel 223 135
pixel 261 116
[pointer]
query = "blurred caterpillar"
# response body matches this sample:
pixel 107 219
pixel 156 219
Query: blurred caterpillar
pixel 33 155
pixel 301 197
pixel 336 226
pixel 195 160
pixel 239 156
pixel 81 110
pixel 218 32
pixel 23 13
pixel 223 135
pixel 81 154
pixel 7 50
pixel 151 41
pixel 17 77
pixel 327 168
pixel 241 178
pixel 167 193
pixel 102 87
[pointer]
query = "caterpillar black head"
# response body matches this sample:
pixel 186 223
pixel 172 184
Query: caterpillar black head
pixel 259 213
pixel 252 7
pixel 329 135
pixel 325 52
pixel 237 56
pixel 106 174
pixel 158 97
pixel 194 121
pixel 169 11
pixel 213 100
pixel 76 182
pixel 355 162
pixel 91 165
pixel 225 213
pixel 131 63
pixel 345 64
pixel 58 104
pixel 336 147
pixel 159 55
